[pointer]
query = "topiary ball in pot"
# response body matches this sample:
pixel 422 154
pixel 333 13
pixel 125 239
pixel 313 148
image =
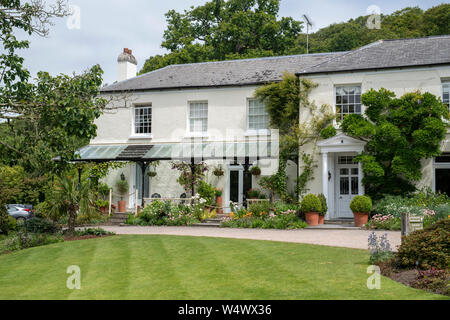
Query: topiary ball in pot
pixel 361 207
pixel 311 206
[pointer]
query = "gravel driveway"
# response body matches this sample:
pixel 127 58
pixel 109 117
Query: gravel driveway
pixel 337 238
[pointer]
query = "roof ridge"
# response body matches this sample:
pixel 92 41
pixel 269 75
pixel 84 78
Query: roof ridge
pixel 345 54
pixel 418 38
pixel 254 59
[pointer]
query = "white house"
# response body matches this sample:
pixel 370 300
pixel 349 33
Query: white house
pixel 207 111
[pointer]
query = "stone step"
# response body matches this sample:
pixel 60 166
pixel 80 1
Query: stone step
pixel 334 227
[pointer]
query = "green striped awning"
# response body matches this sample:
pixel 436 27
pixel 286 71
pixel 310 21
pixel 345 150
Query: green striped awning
pixel 179 151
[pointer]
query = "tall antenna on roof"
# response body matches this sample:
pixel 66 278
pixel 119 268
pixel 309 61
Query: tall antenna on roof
pixel 308 24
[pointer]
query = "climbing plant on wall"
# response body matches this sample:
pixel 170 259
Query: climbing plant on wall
pixel 400 133
pixel 300 122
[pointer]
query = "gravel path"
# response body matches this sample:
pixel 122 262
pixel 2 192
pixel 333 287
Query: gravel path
pixel 337 238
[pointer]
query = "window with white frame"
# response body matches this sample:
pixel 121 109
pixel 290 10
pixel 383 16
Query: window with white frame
pixel 348 101
pixel 446 93
pixel 258 117
pixel 143 120
pixel 198 117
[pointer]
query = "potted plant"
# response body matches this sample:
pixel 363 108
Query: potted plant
pixel 255 171
pixel 324 210
pixel 219 200
pixel 253 194
pixel 311 206
pixel 103 205
pixel 218 172
pixel 361 207
pixel 122 188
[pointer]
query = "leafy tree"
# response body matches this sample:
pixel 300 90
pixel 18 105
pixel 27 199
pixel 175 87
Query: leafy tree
pixel 400 132
pixel 221 29
pixel 239 29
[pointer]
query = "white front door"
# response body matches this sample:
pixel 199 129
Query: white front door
pixel 347 185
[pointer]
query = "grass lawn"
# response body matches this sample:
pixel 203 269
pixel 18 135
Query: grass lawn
pixel 169 267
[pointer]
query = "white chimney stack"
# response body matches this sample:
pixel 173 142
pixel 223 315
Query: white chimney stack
pixel 127 65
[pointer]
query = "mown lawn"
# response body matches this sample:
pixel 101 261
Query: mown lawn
pixel 168 267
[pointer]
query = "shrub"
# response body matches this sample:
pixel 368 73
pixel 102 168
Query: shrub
pixel 323 201
pixel 388 222
pixel 207 192
pixel 361 204
pixel 427 248
pixel 311 203
pixel 98 232
pixel 4 219
pixel 37 225
pixel 260 208
pixel 433 280
pixel 23 240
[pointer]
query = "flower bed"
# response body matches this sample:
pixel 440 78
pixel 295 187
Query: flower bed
pixel 265 215
pixel 160 213
pixel 387 212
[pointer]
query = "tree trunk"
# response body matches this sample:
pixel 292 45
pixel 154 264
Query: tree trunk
pixel 72 220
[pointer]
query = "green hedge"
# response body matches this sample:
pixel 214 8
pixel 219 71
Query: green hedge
pixel 311 203
pixel 361 204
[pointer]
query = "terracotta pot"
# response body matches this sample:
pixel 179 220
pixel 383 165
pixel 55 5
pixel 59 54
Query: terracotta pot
pixel 122 206
pixel 361 219
pixel 219 201
pixel 104 210
pixel 312 218
pixel 321 219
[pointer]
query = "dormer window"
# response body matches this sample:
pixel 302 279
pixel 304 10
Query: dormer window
pixel 143 120
pixel 348 101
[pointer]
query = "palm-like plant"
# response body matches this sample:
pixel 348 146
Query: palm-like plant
pixel 71 197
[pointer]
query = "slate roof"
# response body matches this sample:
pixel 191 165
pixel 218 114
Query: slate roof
pixel 382 54
pixel 221 73
pixel 385 54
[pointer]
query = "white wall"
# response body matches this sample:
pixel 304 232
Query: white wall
pixel 227 121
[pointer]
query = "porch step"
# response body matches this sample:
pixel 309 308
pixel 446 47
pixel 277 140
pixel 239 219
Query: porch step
pixel 335 227
pixel 118 218
pixel 340 221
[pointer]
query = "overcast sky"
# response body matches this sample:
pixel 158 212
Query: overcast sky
pixel 108 26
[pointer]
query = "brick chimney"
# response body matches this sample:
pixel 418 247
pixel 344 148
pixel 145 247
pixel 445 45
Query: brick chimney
pixel 127 67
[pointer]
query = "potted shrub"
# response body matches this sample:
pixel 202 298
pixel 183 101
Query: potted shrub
pixel 253 194
pixel 255 171
pixel 361 207
pixel 311 206
pixel 219 200
pixel 324 210
pixel 103 205
pixel 122 188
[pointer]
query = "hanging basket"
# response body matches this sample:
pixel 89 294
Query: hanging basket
pixel 151 174
pixel 218 172
pixel 255 171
